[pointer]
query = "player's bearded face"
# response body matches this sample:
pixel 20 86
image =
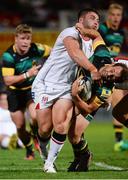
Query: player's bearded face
pixel 23 42
pixel 91 21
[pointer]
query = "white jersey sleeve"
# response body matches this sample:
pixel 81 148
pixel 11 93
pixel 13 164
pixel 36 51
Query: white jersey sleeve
pixel 59 69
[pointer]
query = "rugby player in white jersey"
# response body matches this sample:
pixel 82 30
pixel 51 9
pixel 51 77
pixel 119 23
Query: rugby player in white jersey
pixel 51 89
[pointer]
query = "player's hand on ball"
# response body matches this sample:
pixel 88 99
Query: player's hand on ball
pixel 77 86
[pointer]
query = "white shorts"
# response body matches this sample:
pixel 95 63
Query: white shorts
pixel 46 96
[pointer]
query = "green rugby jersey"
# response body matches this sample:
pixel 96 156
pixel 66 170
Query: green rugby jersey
pixel 114 39
pixel 11 60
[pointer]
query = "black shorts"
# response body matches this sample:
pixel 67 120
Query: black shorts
pixel 17 99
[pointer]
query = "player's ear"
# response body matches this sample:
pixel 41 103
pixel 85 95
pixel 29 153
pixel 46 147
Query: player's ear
pixel 81 20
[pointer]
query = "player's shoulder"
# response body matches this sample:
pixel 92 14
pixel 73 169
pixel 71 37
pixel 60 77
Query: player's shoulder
pixel 8 54
pixel 70 31
pixel 10 49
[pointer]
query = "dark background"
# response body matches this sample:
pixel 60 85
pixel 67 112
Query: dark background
pixel 47 13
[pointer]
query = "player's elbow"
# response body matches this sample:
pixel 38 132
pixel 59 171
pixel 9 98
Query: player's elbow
pixel 87 110
pixel 7 81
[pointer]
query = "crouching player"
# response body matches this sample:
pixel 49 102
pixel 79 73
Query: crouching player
pixel 88 98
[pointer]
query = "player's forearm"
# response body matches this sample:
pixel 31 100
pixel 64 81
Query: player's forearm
pixel 91 33
pixel 83 61
pixel 11 80
pixel 73 48
pixel 81 105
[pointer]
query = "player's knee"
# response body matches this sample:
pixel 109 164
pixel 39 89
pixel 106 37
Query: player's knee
pixel 60 128
pixel 74 139
pixel 45 130
pixel 20 126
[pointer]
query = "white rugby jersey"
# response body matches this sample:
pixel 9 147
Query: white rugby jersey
pixel 59 69
pixel 124 60
pixel 121 59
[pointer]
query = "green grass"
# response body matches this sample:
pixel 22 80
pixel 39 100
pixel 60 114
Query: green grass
pixel 100 137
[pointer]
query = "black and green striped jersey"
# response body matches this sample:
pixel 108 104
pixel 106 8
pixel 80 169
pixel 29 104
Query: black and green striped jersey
pixel 114 39
pixel 22 63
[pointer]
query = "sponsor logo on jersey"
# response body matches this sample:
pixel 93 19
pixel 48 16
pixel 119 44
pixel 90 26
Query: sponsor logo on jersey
pixel 23 59
pixel 44 99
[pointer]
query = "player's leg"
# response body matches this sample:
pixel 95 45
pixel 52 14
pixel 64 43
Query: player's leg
pixel 17 101
pixel 33 123
pixel 45 126
pixel 24 135
pixel 120 111
pixel 43 107
pixel 61 116
pixel 120 144
pixel 79 144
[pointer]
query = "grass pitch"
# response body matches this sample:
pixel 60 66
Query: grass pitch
pixel 106 163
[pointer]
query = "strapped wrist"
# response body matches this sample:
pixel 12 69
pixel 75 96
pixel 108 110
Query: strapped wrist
pixel 26 75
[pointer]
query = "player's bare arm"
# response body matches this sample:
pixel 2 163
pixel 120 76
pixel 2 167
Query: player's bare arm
pixel 12 79
pixel 84 107
pixel 73 48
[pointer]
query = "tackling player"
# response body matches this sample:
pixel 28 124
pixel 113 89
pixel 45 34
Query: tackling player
pixel 88 98
pixel 52 85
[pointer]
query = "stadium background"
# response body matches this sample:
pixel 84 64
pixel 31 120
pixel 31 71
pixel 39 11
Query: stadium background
pixel 48 18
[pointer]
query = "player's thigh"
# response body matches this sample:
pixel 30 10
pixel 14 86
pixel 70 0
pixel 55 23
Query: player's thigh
pixel 18 118
pixel 32 111
pixel 78 125
pixel 120 110
pixel 117 123
pixel 44 118
pixel 62 111
pixel 117 95
pixel 81 124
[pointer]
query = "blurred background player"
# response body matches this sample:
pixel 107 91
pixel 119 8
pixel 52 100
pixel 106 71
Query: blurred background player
pixel 114 37
pixel 8 131
pixel 20 65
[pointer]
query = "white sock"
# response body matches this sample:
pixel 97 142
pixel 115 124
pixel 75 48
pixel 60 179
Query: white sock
pixel 55 148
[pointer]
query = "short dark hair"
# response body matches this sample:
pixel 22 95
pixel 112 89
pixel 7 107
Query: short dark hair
pixel 124 73
pixel 85 11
